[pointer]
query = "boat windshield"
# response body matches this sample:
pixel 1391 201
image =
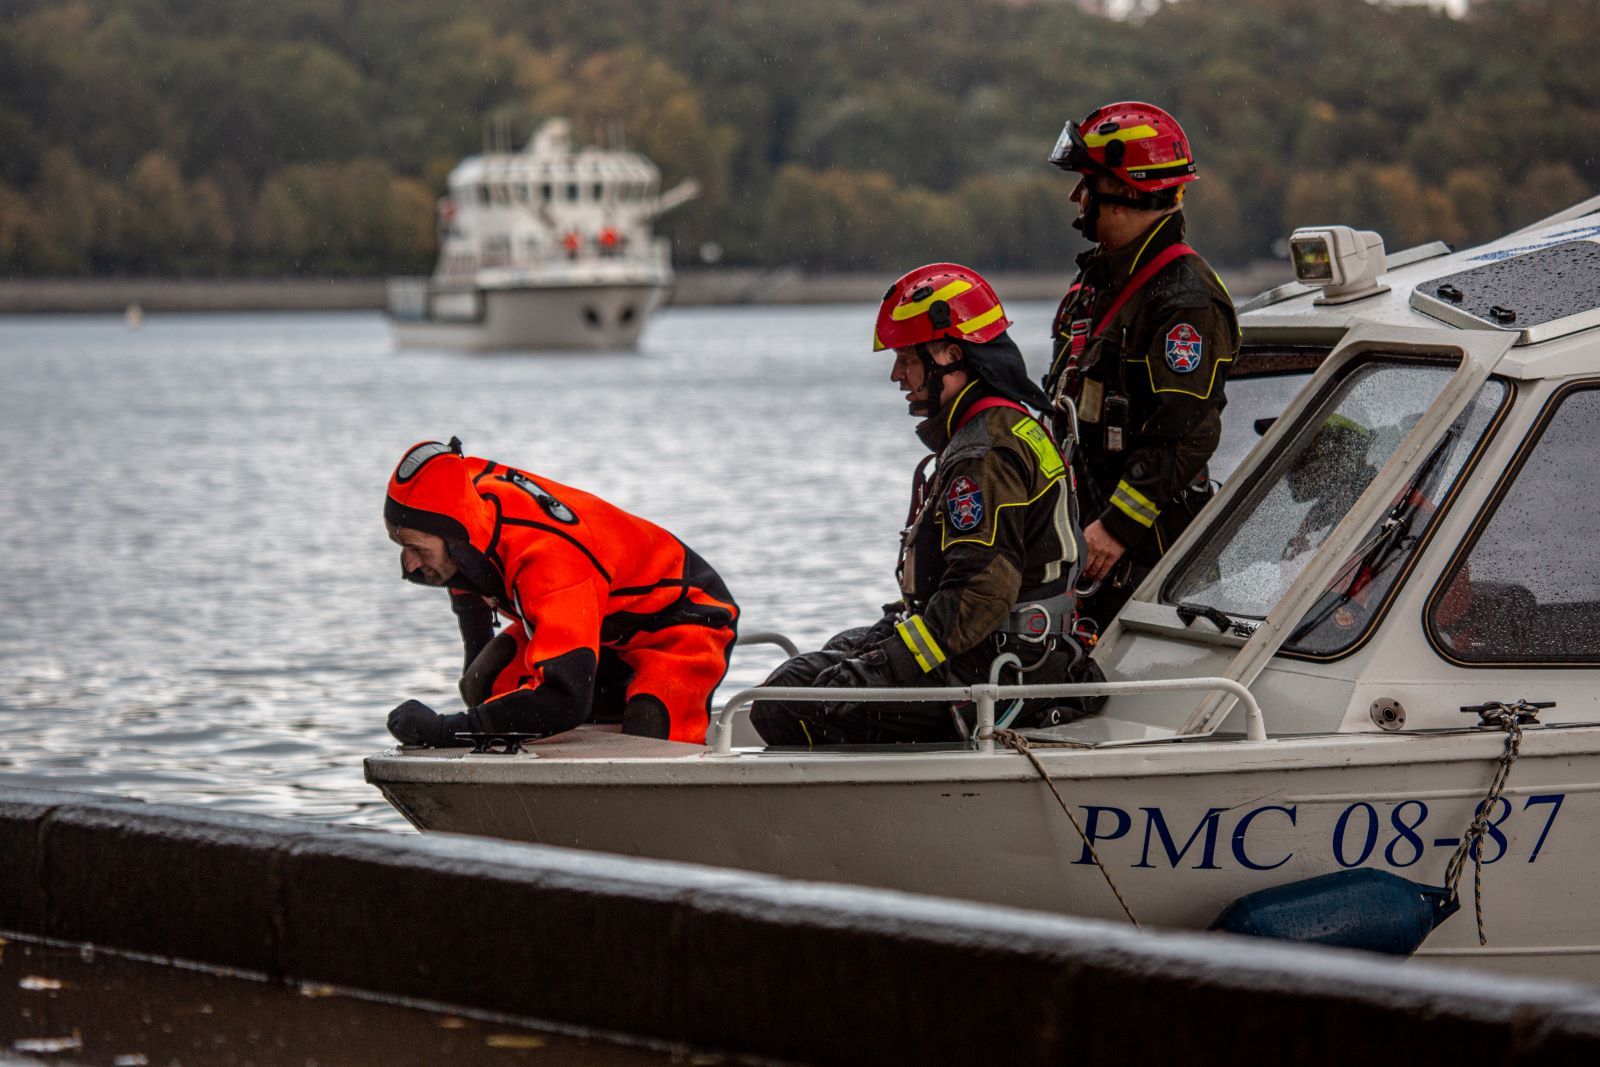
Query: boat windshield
pixel 1335 452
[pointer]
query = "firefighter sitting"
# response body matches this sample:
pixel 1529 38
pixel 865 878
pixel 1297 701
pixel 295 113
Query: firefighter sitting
pixel 990 549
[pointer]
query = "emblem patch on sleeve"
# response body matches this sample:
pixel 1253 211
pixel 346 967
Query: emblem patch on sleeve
pixel 964 501
pixel 1183 348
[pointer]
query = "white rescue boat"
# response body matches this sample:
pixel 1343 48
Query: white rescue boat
pixel 1414 536
pixel 547 248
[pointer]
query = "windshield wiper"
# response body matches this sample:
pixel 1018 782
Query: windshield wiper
pixel 1390 536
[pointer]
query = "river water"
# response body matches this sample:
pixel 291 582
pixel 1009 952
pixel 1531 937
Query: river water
pixel 197 600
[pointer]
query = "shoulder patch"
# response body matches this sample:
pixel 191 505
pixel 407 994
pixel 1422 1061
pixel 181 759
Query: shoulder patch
pixel 964 503
pixel 1183 348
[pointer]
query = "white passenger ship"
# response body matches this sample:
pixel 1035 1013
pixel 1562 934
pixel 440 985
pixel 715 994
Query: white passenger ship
pixel 1289 690
pixel 547 248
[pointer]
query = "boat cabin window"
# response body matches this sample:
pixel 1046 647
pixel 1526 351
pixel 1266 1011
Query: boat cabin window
pixel 599 191
pixel 483 194
pixel 573 192
pixel 1526 589
pixel 1294 503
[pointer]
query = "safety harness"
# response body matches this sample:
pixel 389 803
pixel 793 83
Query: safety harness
pixel 1081 335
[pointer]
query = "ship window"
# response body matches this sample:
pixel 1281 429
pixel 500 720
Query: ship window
pixel 599 191
pixel 522 192
pixel 1526 590
pixel 547 192
pixel 1279 523
pixel 483 194
pixel 573 191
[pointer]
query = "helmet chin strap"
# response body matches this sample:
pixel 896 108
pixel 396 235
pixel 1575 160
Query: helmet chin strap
pixel 1089 222
pixel 933 375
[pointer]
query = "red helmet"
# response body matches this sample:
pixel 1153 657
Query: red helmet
pixel 1137 144
pixel 939 300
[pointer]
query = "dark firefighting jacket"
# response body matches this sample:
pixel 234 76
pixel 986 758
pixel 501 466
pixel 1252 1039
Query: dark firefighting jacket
pixel 989 530
pixel 1146 378
pixel 578 573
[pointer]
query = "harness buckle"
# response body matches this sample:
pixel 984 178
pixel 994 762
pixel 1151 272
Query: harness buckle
pixel 1032 623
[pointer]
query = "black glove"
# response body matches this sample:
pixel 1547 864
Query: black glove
pixel 414 723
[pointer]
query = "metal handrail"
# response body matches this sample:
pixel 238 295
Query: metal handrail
pixel 770 637
pixel 985 695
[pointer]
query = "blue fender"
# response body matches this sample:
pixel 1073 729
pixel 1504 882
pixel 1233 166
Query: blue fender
pixel 1362 908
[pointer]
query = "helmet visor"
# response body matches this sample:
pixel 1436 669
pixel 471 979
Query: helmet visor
pixel 1070 152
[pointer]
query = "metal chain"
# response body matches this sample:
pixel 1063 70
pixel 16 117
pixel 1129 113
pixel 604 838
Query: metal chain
pixel 1509 718
pixel 1013 740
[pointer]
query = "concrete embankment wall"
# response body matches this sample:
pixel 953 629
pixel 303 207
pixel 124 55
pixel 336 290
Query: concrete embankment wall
pixel 737 962
pixel 695 287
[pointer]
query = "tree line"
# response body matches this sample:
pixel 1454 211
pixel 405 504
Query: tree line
pixel 235 137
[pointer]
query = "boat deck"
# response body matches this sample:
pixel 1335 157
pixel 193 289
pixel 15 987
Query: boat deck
pixel 596 741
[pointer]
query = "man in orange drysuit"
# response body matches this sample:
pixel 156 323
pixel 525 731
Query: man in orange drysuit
pixel 610 614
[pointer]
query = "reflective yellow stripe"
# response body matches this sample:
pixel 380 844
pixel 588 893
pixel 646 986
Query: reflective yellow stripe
pixel 982 320
pixel 1124 487
pixel 911 310
pixel 1135 505
pixel 1127 133
pixel 924 649
pixel 1161 166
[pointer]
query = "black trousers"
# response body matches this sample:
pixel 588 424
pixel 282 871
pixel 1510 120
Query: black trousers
pixel 808 724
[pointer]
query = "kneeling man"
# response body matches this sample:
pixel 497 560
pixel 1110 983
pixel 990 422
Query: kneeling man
pixel 610 616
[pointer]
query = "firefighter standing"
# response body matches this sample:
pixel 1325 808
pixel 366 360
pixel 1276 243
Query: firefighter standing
pixel 609 613
pixel 989 552
pixel 1140 348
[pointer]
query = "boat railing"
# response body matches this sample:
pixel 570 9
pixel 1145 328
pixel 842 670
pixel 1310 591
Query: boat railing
pixel 770 637
pixel 984 694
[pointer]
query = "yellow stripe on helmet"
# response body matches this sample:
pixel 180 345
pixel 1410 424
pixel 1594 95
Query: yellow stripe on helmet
pixel 1127 133
pixel 917 307
pixel 972 325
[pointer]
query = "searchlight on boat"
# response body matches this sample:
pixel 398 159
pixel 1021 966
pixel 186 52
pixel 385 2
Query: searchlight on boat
pixel 1344 263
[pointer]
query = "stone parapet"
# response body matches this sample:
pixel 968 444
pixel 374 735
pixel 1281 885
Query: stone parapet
pixel 743 963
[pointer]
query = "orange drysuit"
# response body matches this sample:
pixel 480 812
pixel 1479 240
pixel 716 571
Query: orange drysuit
pixel 581 579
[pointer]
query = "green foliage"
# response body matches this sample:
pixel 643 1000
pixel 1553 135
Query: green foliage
pixel 237 136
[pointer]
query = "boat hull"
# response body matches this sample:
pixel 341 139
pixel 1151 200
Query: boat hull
pixel 573 318
pixel 1182 830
